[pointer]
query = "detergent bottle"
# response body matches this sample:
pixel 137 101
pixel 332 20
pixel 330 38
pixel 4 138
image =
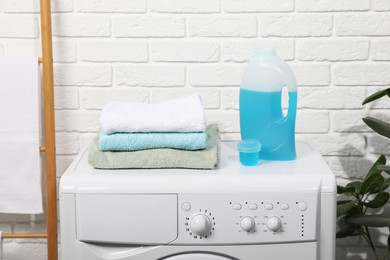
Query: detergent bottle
pixel 261 113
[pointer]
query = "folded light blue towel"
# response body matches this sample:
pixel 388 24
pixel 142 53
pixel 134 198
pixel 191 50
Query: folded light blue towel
pixel 158 158
pixel 142 141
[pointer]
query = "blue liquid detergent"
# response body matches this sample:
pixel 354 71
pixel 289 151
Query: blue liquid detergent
pixel 261 118
pixel 249 159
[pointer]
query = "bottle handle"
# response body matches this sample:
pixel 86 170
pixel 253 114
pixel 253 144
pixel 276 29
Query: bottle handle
pixel 292 104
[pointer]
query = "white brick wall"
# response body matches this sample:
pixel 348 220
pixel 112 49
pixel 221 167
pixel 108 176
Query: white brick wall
pixel 185 51
pixel 154 50
pixel 255 6
pixel 333 50
pixel 109 51
pixel 297 25
pixel 185 6
pixel 111 6
pixel 148 26
pixel 222 26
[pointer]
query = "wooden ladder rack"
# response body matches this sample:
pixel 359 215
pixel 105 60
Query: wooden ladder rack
pixel 49 148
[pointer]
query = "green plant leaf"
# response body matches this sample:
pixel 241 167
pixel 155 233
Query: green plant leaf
pixel 378 126
pixel 345 208
pixel 385 185
pixel 370 220
pixel 342 222
pixel 342 190
pixel 380 188
pixel 345 232
pixel 372 182
pixel 346 229
pixel 377 95
pixel 373 179
pixel 385 168
pixel 356 186
pixel 379 201
pixel 339 202
pixel 375 167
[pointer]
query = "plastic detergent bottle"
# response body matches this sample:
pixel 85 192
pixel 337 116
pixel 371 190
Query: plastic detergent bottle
pixel 261 114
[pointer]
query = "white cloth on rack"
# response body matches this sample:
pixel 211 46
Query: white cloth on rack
pixel 20 169
pixel 1 245
pixel 178 115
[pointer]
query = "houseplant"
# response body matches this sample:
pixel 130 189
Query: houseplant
pixel 359 198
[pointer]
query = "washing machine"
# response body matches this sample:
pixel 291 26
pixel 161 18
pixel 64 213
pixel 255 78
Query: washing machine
pixel 273 211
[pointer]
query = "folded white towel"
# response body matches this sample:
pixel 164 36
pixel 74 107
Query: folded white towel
pixel 178 115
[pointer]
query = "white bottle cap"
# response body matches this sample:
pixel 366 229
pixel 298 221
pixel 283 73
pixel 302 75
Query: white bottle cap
pixel 265 52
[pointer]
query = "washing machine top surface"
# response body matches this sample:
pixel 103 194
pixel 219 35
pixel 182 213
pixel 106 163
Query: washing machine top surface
pixel 308 173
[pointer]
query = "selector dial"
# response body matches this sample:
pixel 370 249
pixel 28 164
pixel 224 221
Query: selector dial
pixel 248 224
pixel 274 224
pixel 200 224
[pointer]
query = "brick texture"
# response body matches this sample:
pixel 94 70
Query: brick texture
pixel 242 50
pixel 81 26
pixel 150 51
pixel 330 5
pixel 185 51
pixel 363 25
pixel 222 26
pixel 108 51
pixel 333 50
pixel 150 75
pixel 381 5
pixel 296 25
pixel 255 6
pixel 82 75
pixel 32 6
pixel 361 74
pixel 111 6
pixel 149 26
pixel 380 50
pixel 215 75
pixel 21 26
pixel 185 6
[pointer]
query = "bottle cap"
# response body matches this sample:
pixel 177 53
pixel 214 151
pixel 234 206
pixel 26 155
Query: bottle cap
pixel 265 52
pixel 249 146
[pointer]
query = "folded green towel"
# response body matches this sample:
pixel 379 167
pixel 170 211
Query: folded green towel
pixel 158 158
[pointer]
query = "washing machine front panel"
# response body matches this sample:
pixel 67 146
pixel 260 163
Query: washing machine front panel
pixel 248 218
pixel 209 219
pixel 126 218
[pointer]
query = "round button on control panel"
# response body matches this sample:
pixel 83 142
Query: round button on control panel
pixel 274 224
pixel 302 206
pixel 186 206
pixel 247 224
pixel 200 224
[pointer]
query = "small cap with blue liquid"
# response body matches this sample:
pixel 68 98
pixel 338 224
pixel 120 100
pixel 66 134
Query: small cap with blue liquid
pixel 249 152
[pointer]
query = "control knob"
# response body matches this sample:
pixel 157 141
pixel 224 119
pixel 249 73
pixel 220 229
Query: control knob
pixel 274 223
pixel 247 224
pixel 200 224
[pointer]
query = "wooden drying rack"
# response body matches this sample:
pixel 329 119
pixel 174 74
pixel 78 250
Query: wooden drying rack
pixel 49 148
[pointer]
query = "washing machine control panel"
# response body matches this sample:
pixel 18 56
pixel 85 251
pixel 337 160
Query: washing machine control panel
pixel 247 218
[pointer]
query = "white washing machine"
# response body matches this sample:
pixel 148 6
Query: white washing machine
pixel 274 211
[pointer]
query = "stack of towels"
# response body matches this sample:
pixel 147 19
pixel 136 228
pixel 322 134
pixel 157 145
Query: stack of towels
pixel 171 134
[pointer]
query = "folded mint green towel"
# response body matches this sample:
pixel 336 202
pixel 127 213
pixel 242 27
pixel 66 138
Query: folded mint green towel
pixel 158 158
pixel 142 141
